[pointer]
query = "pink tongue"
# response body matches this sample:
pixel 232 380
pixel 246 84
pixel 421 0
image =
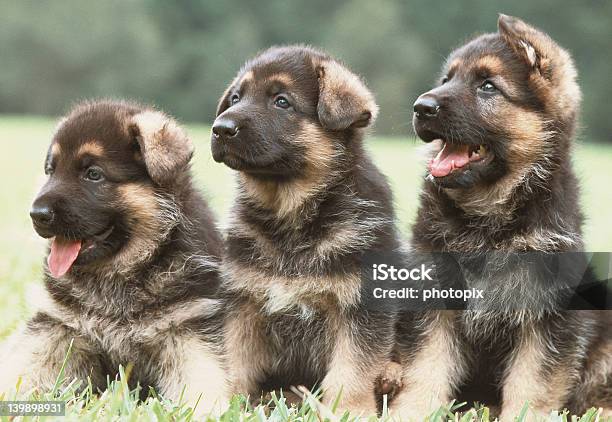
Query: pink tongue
pixel 62 256
pixel 451 157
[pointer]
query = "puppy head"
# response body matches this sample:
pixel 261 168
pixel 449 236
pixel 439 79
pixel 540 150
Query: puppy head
pixel 289 108
pixel 110 167
pixel 498 109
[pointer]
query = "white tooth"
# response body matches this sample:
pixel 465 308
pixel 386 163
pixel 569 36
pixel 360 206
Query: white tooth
pixel 440 153
pixel 482 150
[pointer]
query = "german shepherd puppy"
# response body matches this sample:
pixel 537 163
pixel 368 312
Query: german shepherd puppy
pixel 310 204
pixel 501 122
pixel 131 274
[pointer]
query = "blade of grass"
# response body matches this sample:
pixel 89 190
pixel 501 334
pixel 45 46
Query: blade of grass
pixel 60 377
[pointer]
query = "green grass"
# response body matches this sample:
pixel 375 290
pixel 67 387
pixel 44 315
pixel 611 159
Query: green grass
pixel 119 403
pixel 24 142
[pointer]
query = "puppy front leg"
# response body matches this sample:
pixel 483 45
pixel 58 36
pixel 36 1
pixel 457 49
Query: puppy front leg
pixel 247 355
pixel 352 377
pixel 37 352
pixel 431 371
pixel 189 365
pixel 527 381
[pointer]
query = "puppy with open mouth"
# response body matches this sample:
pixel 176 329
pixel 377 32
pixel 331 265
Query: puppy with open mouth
pixel 500 182
pixel 131 275
pixel 310 204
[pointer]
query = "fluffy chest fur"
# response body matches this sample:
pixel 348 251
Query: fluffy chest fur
pixel 122 339
pixel 312 264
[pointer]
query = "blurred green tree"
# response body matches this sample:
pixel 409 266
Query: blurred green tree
pixel 180 55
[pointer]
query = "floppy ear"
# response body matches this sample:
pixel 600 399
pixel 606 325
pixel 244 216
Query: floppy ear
pixel 344 100
pixel 529 43
pixel 165 148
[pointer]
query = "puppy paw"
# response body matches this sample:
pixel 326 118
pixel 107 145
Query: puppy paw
pixel 390 381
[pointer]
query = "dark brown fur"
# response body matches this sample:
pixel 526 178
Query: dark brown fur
pixel 522 198
pixel 310 205
pixel 146 293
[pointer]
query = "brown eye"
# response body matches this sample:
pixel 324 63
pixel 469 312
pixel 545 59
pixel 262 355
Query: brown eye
pixel 487 87
pixel 281 102
pixel 94 174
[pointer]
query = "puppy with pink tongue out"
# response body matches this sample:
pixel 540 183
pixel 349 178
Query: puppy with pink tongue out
pixel 131 274
pixel 62 255
pixel 453 157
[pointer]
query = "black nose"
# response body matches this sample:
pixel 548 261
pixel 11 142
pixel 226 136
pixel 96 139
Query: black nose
pixel 426 107
pixel 42 215
pixel 225 128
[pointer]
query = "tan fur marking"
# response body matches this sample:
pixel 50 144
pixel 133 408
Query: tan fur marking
pixel 523 383
pixel 280 293
pixel 184 360
pixel 350 377
pixel 177 315
pixel 140 199
pixel 17 360
pixel 145 330
pixel 455 64
pixel 493 63
pixel 248 77
pixel 286 197
pixel 196 369
pixel 528 145
pixel 247 354
pixel 429 375
pixel 528 136
pixel 344 238
pixel 598 371
pixel 91 147
pixel 283 78
pixel 37 359
pixel 150 218
pixel 56 150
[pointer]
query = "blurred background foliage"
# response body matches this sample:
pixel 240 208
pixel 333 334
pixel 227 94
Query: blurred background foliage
pixel 181 54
